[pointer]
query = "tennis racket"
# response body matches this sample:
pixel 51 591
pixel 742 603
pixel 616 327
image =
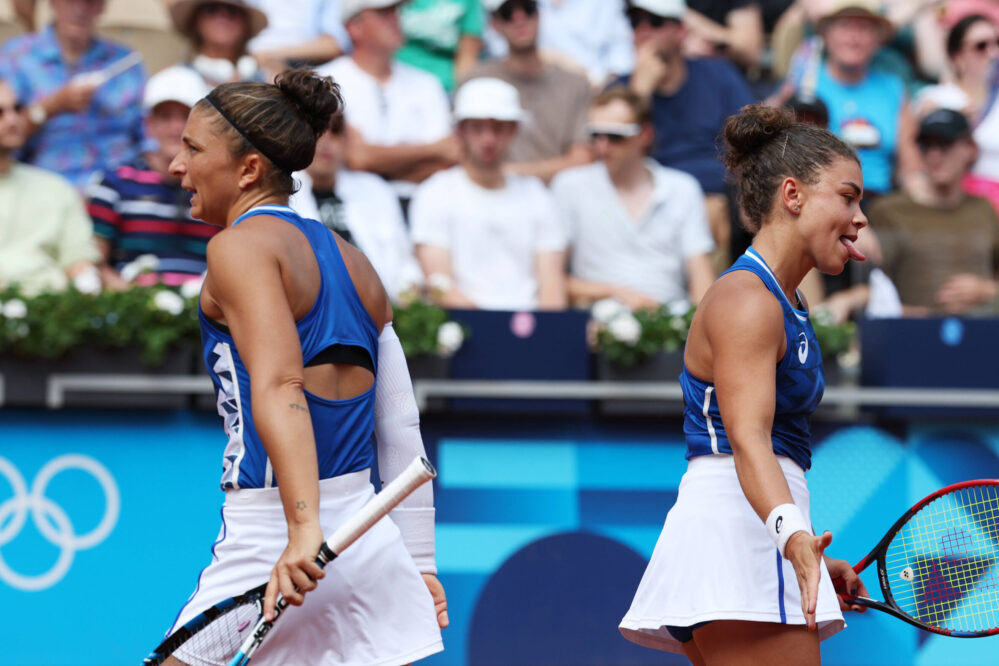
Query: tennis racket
pixel 938 565
pixel 232 630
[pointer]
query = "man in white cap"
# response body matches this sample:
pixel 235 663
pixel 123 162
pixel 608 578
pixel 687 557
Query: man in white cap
pixel 140 208
pixel 554 98
pixel 485 238
pixel 397 115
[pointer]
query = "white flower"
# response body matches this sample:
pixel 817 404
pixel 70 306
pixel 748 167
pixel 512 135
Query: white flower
pixel 88 281
pixel 15 309
pixel 625 328
pixel 450 336
pixel 168 301
pixel 607 309
pixel 192 288
pixel 144 263
pixel 22 330
pixel 679 308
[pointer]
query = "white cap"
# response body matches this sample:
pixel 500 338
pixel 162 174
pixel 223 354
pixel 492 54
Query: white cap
pixel 487 98
pixel 674 9
pixel 351 8
pixel 174 84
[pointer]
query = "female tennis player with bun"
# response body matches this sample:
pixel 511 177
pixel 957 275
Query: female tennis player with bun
pixel 298 341
pixel 737 576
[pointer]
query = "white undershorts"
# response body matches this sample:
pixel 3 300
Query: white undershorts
pixel 715 561
pixel 372 607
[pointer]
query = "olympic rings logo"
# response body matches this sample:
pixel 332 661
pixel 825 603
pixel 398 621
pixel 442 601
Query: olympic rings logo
pixel 50 518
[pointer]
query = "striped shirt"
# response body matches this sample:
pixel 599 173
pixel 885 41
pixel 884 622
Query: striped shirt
pixel 139 211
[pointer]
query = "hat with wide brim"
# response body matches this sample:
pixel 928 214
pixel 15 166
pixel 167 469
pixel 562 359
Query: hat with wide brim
pixel 864 9
pixel 183 12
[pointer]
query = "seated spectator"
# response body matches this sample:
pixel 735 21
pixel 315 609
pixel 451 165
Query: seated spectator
pixel 443 37
pixel 46 238
pixel 485 238
pixel 973 50
pixel 941 249
pixel 589 35
pixel 554 98
pixel 868 107
pixel 363 209
pixel 299 32
pixel 140 208
pixel 84 111
pixel 397 115
pixel 638 231
pixel 729 28
pixel 218 33
pixel 690 99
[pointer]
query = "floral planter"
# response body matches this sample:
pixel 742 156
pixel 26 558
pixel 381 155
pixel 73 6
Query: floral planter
pixel 661 367
pixel 26 380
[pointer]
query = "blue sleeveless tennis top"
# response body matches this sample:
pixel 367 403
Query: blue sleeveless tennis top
pixel 800 383
pixel 343 428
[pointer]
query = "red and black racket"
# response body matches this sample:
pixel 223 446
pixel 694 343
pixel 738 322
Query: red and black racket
pixel 939 563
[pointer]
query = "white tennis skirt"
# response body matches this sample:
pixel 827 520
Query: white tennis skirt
pixel 372 607
pixel 715 561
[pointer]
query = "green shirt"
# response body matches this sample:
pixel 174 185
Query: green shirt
pixel 44 229
pixel 433 29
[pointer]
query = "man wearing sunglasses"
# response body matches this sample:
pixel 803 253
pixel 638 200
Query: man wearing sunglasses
pixel 690 99
pixel 46 239
pixel 554 98
pixel 638 231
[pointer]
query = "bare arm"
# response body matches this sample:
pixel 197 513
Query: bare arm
pixel 578 155
pixel 467 56
pixel 256 309
pixel 403 161
pixel 550 267
pixel 911 169
pixel 744 328
pixel 436 261
pixel 584 293
pixel 700 275
pixel 741 35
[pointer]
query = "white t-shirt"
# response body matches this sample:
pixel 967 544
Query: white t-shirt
pixel 494 236
pixel 647 255
pixel 410 108
pixel 374 218
pixel 291 22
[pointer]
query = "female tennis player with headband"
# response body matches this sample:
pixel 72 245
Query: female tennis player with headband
pixel 719 586
pixel 298 340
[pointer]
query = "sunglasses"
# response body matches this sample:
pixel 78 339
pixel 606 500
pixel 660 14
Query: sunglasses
pixel 639 16
pixel 614 133
pixel 17 109
pixel 983 45
pixel 506 10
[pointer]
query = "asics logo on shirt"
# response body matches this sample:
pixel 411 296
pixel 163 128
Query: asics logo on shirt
pixel 803 348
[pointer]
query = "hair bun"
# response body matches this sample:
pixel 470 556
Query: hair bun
pixel 317 98
pixel 747 133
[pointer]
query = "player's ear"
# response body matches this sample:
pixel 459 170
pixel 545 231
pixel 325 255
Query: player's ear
pixel 791 195
pixel 252 170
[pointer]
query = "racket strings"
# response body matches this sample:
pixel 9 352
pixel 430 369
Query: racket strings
pixel 943 564
pixel 218 641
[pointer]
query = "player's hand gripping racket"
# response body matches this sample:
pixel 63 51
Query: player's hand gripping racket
pixel 939 563
pixel 232 630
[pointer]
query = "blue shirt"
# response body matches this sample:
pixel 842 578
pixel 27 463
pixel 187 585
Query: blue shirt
pixel 800 384
pixel 343 429
pixel 866 116
pixel 688 122
pixel 107 135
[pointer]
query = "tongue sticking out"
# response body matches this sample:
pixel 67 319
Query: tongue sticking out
pixel 852 249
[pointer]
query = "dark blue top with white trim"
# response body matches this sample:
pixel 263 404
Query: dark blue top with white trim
pixel 800 384
pixel 343 428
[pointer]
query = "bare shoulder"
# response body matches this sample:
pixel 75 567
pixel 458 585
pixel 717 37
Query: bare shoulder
pixel 366 282
pixel 739 308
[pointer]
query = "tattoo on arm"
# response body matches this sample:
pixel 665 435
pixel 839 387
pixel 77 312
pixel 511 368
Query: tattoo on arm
pixel 300 505
pixel 297 407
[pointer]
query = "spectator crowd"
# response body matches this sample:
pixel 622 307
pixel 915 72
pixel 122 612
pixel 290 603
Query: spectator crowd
pixel 512 154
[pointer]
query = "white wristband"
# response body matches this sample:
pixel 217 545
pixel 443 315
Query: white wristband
pixel 784 521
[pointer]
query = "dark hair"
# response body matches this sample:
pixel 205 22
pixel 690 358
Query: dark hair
pixel 955 38
pixel 640 108
pixel 764 145
pixel 280 121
